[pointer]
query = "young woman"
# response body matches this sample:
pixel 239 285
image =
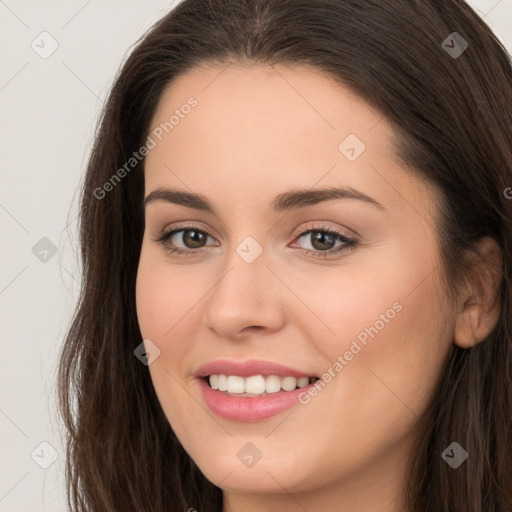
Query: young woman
pixel 296 233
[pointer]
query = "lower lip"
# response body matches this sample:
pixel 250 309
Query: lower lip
pixel 249 408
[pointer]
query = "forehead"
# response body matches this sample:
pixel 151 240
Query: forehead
pixel 258 104
pixel 255 130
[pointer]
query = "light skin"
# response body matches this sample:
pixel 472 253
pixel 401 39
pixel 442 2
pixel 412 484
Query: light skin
pixel 257 132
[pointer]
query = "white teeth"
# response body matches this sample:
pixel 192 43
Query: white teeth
pixel 222 383
pixel 273 384
pixel 289 383
pixel 302 381
pixel 236 384
pixel 256 384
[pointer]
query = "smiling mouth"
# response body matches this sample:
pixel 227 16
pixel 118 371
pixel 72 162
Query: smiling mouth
pixel 256 385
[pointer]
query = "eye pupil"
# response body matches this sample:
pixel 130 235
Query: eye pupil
pixel 193 238
pixel 321 236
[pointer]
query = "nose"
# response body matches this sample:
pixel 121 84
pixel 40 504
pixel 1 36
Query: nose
pixel 246 299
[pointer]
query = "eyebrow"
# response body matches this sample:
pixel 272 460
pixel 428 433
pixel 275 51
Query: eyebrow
pixel 293 199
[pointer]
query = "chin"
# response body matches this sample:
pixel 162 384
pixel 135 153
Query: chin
pixel 273 475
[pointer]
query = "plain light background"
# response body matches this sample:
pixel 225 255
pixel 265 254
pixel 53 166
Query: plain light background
pixel 49 108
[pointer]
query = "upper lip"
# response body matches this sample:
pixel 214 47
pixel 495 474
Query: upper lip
pixel 248 368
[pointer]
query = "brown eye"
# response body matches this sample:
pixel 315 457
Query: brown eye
pixel 193 239
pixel 322 241
pixel 184 240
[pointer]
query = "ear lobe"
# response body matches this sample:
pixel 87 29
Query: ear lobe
pixel 481 304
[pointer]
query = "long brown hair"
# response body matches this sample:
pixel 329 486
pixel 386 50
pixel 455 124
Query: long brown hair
pixel 453 117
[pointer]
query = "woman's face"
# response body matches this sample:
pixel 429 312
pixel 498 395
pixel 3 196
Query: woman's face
pixel 263 280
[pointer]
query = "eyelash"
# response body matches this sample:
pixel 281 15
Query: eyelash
pixel 349 243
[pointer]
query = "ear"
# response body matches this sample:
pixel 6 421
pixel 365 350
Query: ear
pixel 480 304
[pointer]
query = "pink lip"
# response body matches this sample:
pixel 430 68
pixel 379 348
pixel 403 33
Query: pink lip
pixel 248 368
pixel 248 409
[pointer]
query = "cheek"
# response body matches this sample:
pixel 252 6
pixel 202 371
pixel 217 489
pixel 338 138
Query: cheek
pixel 164 297
pixel 166 310
pixel 389 338
pixel 392 347
pixel 152 296
pixel 392 352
